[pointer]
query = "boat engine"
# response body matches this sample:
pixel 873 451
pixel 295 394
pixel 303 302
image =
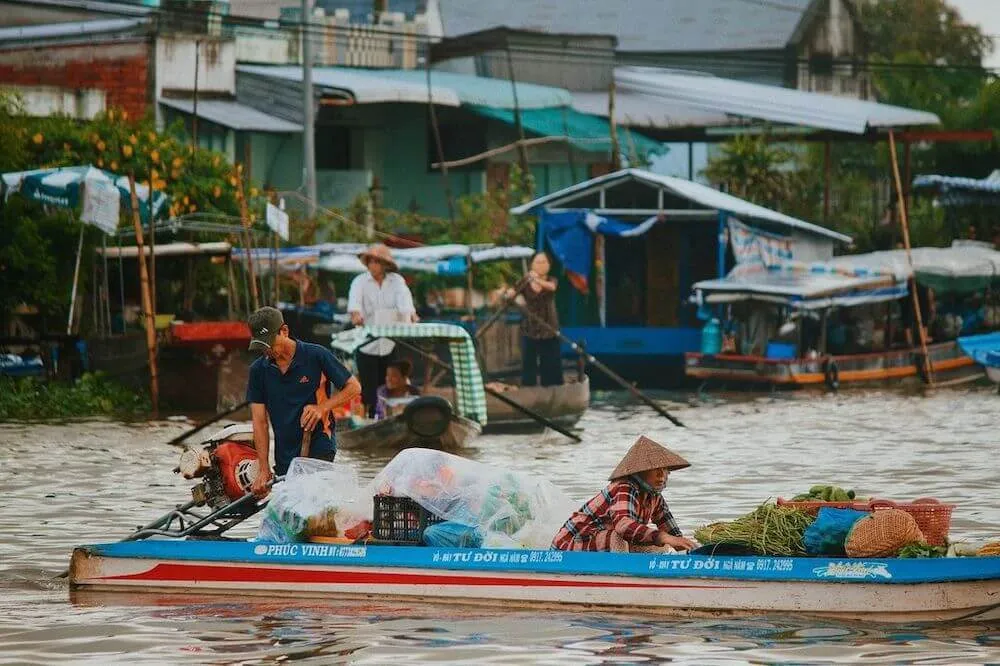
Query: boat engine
pixel 227 466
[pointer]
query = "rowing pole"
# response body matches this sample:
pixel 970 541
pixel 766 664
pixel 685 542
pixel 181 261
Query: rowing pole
pixel 496 394
pixel 618 379
pixel 221 415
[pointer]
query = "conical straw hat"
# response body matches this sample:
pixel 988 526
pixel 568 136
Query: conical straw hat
pixel 646 454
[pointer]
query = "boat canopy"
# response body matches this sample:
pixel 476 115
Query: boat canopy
pixel 855 279
pixel 981 348
pixel 470 395
pixel 447 260
pixel 179 249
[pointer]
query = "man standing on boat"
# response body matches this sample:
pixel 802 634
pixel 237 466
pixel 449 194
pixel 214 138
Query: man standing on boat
pixel 296 385
pixel 379 296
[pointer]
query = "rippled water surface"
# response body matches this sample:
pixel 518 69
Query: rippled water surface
pixel 62 485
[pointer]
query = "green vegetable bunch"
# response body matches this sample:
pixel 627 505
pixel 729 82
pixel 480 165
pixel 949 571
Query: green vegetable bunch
pixel 828 493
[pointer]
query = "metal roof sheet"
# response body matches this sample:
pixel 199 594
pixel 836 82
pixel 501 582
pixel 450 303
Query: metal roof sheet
pixel 990 184
pixel 754 100
pixel 373 86
pixel 639 25
pixel 635 109
pixel 232 114
pixel 70 29
pixel 692 191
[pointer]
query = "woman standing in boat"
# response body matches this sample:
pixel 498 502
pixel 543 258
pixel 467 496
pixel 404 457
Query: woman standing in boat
pixel 617 519
pixel 540 325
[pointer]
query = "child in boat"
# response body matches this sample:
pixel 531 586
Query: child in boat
pixel 397 385
pixel 617 519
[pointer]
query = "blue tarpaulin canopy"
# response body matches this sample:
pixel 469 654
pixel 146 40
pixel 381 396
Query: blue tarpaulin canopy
pixel 101 193
pixel 961 191
pixel 570 237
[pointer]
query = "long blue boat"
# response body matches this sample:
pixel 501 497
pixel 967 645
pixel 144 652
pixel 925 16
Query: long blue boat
pixel 888 590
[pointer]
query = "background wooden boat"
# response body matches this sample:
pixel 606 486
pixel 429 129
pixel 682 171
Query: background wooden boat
pixel 429 421
pixel 563 404
pixel 893 366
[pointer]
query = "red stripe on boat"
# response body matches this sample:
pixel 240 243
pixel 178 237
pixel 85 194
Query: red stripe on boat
pixel 195 573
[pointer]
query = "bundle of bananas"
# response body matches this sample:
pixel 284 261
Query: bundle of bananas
pixel 825 494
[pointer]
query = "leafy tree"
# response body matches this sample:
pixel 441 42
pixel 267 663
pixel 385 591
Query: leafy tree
pixel 752 168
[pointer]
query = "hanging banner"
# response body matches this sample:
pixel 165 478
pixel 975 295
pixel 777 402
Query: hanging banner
pixel 752 246
pixel 101 203
pixel 277 221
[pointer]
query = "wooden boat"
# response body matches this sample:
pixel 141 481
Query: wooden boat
pixel 563 404
pixel 885 590
pixel 948 361
pixel 427 421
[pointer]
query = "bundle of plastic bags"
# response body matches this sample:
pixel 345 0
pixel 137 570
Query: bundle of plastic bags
pixel 509 509
pixel 317 498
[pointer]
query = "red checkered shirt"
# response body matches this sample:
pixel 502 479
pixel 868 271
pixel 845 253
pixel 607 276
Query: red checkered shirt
pixel 622 507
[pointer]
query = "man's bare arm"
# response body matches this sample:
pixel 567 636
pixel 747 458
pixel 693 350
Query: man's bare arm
pixel 262 443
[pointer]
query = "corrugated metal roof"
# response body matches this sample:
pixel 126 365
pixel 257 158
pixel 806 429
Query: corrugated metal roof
pixel 637 110
pixel 373 86
pixel 70 29
pixel 232 114
pixel 365 86
pixel 990 184
pixel 639 25
pixel 692 191
pixel 753 100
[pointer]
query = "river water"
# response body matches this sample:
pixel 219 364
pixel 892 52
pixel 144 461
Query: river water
pixel 93 481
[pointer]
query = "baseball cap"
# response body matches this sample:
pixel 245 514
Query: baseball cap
pixel 264 326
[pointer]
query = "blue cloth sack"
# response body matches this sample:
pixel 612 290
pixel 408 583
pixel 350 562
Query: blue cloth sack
pixel 827 534
pixel 450 534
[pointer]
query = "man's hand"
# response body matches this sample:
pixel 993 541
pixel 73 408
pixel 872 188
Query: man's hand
pixel 311 415
pixel 357 319
pixel 677 543
pixel 414 317
pixel 262 484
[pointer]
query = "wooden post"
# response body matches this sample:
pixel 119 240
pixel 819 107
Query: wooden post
pixel 522 150
pixel 446 183
pixel 616 158
pixel 233 291
pixel 152 246
pixel 908 178
pixel 147 299
pixel 76 280
pixel 569 147
pixel 904 222
pixel 274 271
pixel 826 181
pixel 245 219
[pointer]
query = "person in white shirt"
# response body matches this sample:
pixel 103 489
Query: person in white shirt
pixel 379 296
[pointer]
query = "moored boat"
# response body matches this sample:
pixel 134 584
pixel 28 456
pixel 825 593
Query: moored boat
pixel 984 350
pixel 890 590
pixel 427 421
pixel 563 404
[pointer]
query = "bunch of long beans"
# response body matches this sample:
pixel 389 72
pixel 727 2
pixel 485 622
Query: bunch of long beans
pixel 769 530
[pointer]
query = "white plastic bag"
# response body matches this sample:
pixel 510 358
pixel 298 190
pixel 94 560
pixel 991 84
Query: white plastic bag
pixel 317 498
pixel 512 509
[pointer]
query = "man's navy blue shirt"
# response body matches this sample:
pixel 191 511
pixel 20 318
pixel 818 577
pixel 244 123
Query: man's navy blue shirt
pixel 310 378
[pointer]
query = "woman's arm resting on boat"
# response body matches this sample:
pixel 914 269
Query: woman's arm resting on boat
pixel 261 442
pixel 669 533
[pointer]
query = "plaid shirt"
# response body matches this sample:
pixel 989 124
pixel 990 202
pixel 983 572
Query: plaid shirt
pixel 622 507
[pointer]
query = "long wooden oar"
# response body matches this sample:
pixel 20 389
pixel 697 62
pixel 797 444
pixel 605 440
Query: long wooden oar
pixel 201 426
pixel 603 368
pixel 496 394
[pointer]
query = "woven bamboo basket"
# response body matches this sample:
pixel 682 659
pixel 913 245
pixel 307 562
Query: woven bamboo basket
pixel 933 518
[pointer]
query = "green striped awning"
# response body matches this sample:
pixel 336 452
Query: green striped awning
pixel 470 395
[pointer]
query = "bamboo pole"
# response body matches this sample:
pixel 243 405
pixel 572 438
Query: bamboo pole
pixel 616 159
pixel 445 181
pixel 904 222
pixel 522 149
pixel 152 247
pixel 147 300
pixel 245 219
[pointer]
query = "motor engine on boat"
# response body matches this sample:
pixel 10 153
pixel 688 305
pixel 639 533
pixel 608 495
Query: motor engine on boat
pixel 227 466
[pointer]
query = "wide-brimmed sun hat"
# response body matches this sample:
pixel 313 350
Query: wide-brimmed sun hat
pixel 379 252
pixel 645 455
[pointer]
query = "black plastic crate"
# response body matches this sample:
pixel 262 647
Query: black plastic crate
pixel 400 520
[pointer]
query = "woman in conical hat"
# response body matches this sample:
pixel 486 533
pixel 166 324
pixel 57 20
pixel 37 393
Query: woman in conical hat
pixel 618 518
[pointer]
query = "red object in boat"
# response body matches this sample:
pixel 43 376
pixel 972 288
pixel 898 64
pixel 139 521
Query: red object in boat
pixel 207 334
pixel 238 467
